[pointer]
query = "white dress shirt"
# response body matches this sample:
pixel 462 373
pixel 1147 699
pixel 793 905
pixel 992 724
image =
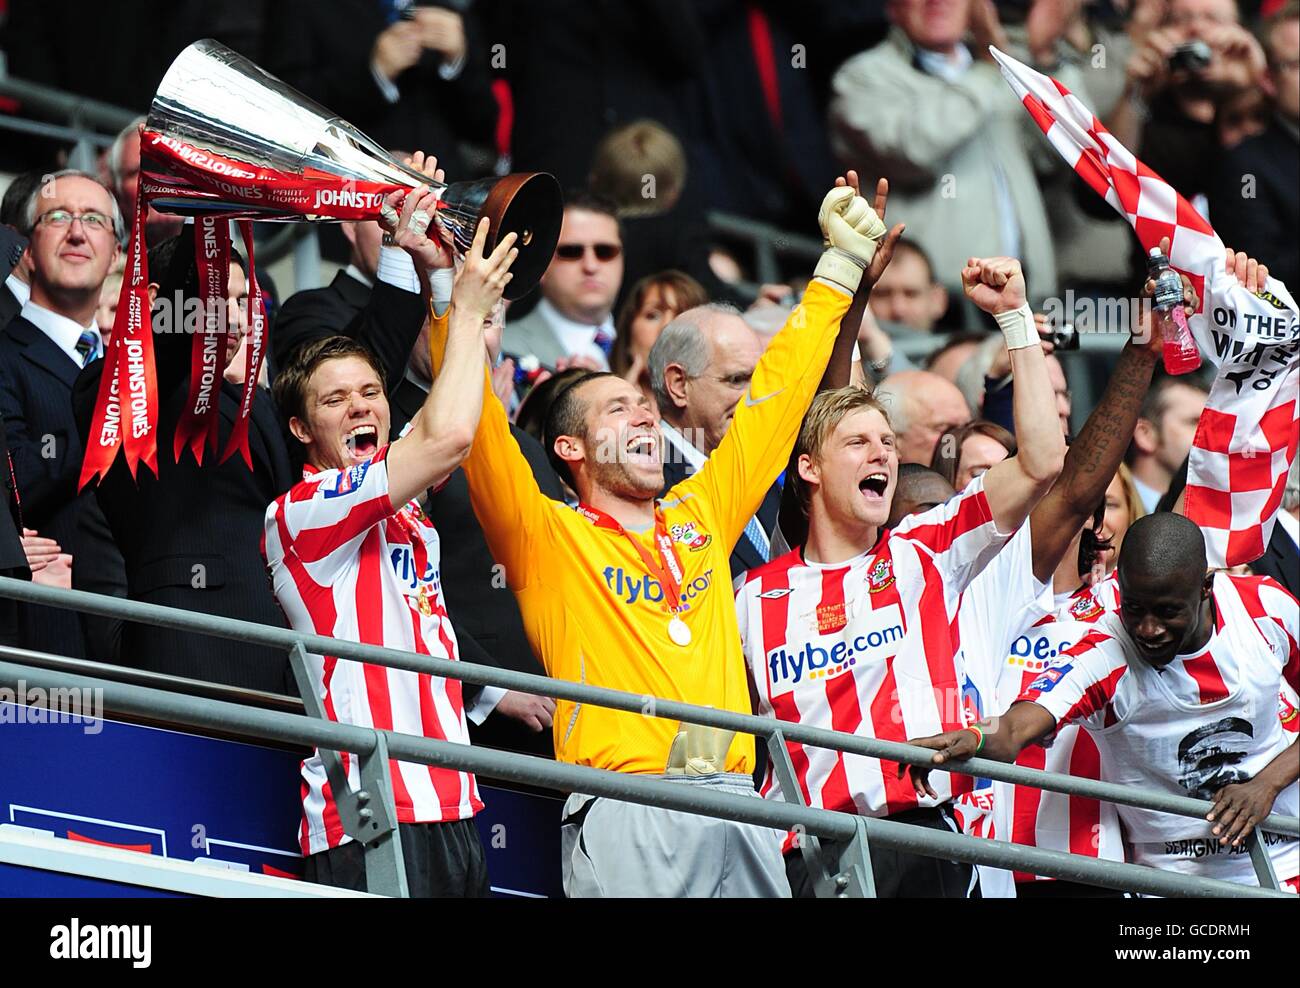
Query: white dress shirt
pixel 1149 496
pixel 19 288
pixel 578 339
pixel 686 450
pixel 64 332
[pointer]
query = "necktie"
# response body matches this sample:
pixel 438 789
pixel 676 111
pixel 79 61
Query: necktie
pixel 758 538
pixel 87 346
pixel 604 341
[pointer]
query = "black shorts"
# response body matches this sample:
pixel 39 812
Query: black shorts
pixel 902 874
pixel 443 861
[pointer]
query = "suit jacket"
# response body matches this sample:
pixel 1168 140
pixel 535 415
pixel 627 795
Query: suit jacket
pixel 9 306
pixel 533 334
pixel 1281 561
pixel 36 379
pixel 744 555
pixel 324 50
pixel 1263 226
pixel 482 609
pixel 192 536
pixel 344 307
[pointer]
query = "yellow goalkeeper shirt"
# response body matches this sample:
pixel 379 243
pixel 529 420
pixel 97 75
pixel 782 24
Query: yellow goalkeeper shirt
pixel 593 611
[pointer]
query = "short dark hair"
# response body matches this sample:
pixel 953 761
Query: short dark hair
pixel 906 244
pixel 593 202
pixel 1164 544
pixel 13 209
pixel 290 387
pixel 567 416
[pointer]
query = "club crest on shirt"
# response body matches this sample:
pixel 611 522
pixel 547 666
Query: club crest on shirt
pixel 1086 608
pixel 1288 714
pixel 831 617
pixel 688 535
pixel 880 576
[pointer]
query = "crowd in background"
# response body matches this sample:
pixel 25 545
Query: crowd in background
pixel 652 115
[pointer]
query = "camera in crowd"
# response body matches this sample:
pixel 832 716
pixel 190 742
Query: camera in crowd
pixel 1190 56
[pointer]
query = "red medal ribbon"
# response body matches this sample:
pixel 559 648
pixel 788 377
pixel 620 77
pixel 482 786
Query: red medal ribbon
pixel 669 573
pixel 238 441
pixel 197 428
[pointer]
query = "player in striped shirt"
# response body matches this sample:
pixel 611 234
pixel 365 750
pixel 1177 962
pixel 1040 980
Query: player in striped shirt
pixel 1179 690
pixel 351 555
pixel 856 632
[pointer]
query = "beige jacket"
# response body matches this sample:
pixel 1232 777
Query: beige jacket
pixel 938 143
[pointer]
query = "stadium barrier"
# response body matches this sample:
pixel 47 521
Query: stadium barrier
pixel 834 844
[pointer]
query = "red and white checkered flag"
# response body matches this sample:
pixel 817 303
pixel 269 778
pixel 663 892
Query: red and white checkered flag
pixel 1246 438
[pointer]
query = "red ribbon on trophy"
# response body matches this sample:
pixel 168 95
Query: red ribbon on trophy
pixel 197 429
pixel 131 424
pixel 225 140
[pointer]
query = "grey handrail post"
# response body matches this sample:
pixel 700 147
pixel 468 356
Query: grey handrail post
pixel 369 820
pixel 853 876
pixel 1259 857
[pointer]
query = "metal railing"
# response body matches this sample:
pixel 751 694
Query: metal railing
pixel 834 844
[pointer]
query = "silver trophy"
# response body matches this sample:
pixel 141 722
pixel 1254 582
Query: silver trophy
pixel 218 101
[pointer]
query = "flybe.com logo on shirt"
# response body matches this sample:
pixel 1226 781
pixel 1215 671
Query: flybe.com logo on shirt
pixel 876 635
pixel 632 588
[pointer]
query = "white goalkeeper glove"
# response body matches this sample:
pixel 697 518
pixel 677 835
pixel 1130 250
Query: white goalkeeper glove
pixel 698 750
pixel 851 231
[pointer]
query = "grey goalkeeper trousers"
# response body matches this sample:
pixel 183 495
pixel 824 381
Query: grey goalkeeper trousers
pixel 625 850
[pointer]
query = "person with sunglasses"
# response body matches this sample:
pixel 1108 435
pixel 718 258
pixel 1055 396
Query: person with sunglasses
pixel 572 324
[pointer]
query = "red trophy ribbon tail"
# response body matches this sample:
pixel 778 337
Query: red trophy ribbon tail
pixel 238 440
pixel 198 425
pixel 111 419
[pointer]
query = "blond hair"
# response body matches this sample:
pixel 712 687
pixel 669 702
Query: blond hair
pixel 641 166
pixel 828 410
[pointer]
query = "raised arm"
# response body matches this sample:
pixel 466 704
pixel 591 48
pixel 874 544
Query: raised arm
pixel 1015 485
pixel 442 431
pixel 510 507
pixel 763 430
pixel 839 369
pixel 1098 450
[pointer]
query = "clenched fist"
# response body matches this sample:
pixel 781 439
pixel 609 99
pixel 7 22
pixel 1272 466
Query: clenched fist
pixel 995 284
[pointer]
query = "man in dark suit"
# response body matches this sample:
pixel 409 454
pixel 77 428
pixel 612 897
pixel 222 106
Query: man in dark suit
pixel 75 227
pixel 192 536
pixel 700 369
pixel 13 560
pixel 481 607
pixel 1281 560
pixel 16 287
pixel 409 75
pixel 335 309
pixel 1255 205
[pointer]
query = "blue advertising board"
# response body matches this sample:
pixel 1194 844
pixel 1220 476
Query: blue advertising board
pixel 225 803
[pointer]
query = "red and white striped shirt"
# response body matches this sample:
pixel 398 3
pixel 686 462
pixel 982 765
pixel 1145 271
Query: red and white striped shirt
pixel 344 564
pixel 1204 721
pixel 867 646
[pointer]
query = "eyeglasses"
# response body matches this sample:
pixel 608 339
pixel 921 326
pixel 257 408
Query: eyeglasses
pixel 575 252
pixel 91 220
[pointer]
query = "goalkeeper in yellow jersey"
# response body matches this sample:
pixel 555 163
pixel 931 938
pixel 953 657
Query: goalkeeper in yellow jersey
pixel 634 593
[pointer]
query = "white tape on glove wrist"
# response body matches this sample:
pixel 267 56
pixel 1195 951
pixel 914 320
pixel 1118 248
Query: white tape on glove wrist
pixel 1018 328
